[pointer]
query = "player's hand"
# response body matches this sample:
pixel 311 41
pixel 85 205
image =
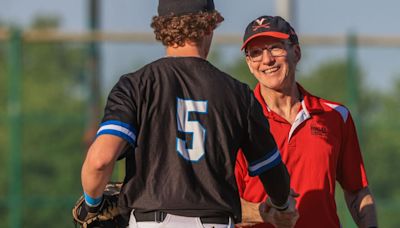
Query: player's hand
pixel 104 215
pixel 284 219
pixel 84 212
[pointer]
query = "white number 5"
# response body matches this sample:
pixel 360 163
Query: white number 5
pixel 195 150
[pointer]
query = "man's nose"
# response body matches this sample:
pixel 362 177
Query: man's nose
pixel 267 57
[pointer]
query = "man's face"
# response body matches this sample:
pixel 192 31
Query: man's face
pixel 273 62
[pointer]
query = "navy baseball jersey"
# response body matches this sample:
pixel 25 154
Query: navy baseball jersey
pixel 185 121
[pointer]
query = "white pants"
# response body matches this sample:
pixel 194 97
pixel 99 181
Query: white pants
pixel 175 221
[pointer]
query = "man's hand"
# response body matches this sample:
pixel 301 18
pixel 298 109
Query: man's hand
pixel 278 218
pixel 250 213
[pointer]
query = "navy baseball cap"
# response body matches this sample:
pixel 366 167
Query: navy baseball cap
pixel 273 26
pixel 179 7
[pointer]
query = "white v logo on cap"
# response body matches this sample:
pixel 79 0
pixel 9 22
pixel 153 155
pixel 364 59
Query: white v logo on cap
pixel 260 21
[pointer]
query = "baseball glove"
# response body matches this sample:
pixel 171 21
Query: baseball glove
pixel 106 215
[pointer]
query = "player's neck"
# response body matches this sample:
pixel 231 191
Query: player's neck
pixel 188 50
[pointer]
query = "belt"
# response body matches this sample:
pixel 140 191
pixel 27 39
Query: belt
pixel 159 216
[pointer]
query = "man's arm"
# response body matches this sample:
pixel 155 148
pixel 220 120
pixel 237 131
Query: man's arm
pixel 361 205
pixel 99 163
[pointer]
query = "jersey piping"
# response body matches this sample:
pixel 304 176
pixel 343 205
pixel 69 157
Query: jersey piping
pixel 118 128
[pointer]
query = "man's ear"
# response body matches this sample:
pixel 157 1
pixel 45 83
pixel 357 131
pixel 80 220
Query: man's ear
pixel 297 53
pixel 248 61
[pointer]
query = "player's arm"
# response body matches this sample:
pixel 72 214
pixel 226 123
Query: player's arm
pixel 280 208
pixel 362 207
pixel 264 160
pixel 274 177
pixel 253 213
pixel 276 183
pixel 263 156
pixel 116 131
pixel 99 163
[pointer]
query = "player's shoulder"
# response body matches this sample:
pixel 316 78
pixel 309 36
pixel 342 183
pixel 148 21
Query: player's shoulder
pixel 139 75
pixel 337 107
pixel 230 80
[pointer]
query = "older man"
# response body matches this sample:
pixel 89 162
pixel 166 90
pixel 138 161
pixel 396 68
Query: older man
pixel 316 137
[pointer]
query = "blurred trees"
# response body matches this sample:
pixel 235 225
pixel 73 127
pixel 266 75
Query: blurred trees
pixel 238 69
pixel 382 146
pixel 53 121
pixel 3 131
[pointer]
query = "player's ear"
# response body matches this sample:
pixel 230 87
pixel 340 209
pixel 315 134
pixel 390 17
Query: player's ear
pixel 209 30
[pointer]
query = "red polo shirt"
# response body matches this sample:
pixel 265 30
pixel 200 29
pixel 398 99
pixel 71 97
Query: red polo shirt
pixel 320 148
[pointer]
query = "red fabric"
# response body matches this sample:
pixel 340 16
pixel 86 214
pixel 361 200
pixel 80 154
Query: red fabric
pixel 323 149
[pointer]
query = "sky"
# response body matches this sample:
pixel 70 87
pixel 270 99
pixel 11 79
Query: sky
pixel 311 17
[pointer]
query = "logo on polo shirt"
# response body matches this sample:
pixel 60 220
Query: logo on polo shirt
pixel 319 130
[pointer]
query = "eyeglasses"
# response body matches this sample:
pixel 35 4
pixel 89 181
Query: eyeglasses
pixel 276 50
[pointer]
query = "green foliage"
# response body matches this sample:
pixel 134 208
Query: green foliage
pixel 46 22
pixel 53 122
pixel 327 81
pixel 53 126
pixel 237 69
pixel 3 132
pixel 384 127
pixel 240 71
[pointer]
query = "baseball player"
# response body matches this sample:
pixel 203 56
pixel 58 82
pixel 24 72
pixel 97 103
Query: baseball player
pixel 316 137
pixel 179 121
